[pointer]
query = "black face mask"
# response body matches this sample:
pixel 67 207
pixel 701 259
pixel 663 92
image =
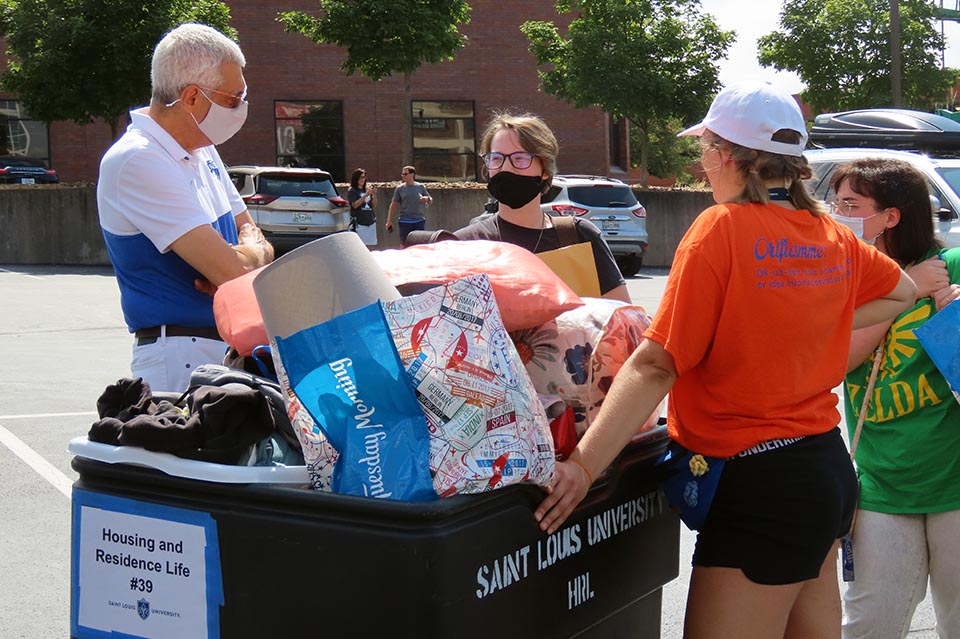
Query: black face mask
pixel 514 190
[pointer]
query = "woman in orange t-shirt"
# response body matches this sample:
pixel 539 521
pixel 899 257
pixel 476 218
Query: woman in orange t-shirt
pixel 764 291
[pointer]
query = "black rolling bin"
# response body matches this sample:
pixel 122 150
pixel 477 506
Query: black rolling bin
pixel 160 556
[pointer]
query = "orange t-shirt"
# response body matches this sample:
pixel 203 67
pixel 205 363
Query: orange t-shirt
pixel 757 315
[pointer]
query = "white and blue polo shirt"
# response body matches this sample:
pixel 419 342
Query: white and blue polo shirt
pixel 150 193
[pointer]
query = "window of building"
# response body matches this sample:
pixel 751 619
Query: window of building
pixel 19 135
pixel 444 145
pixel 311 134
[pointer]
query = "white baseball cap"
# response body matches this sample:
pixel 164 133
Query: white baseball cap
pixel 749 113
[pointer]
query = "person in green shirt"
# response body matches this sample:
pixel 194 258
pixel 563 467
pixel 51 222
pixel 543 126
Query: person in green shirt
pixel 908 456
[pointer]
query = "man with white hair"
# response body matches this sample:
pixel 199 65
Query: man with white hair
pixel 170 214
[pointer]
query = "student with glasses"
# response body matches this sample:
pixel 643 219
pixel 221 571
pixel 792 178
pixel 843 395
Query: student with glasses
pixel 174 224
pixel 519 155
pixel 908 526
pixel 411 199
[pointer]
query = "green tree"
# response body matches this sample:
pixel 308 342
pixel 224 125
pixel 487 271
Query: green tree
pixel 670 155
pixel 644 60
pixel 386 37
pixel 841 51
pixel 85 59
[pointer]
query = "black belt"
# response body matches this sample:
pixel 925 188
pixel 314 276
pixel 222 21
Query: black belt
pixel 151 334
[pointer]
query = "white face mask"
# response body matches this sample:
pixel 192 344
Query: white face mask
pixel 855 224
pixel 222 123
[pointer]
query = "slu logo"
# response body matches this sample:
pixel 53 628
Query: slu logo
pixel 213 168
pixel 143 608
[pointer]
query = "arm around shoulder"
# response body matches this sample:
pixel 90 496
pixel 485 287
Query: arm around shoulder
pixel 902 297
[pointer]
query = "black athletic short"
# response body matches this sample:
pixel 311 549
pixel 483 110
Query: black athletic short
pixel 778 512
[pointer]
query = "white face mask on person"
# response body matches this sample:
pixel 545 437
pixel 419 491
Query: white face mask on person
pixel 221 123
pixel 855 224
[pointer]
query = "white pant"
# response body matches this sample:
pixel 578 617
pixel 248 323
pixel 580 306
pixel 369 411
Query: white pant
pixel 167 363
pixel 893 556
pixel 368 234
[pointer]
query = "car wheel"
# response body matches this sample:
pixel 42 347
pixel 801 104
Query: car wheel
pixel 630 264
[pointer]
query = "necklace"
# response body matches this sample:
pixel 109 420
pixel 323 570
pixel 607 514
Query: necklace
pixel 496 220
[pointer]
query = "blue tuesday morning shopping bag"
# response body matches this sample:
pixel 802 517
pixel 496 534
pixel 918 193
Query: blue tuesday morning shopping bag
pixel 940 337
pixel 348 375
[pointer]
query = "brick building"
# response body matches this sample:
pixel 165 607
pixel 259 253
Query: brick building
pixel 304 111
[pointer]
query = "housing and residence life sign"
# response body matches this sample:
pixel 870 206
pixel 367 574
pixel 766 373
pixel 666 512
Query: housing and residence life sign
pixel 143 570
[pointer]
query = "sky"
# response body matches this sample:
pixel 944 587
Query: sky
pixel 754 18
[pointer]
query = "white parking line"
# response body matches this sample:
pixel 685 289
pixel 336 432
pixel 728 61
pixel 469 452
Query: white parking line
pixel 44 415
pixel 44 468
pixel 3 270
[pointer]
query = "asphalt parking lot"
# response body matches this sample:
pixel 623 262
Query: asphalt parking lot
pixel 63 340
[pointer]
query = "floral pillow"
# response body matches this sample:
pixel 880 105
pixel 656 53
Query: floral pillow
pixel 577 355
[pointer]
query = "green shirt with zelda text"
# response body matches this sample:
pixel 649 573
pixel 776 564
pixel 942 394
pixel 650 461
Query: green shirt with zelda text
pixel 908 457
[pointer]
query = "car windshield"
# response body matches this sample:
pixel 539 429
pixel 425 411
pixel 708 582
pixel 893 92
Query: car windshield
pixel 21 161
pixel 295 185
pixel 952 176
pixel 602 195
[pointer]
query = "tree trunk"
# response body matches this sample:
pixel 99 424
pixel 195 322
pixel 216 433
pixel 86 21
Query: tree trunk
pixel 644 155
pixel 115 126
pixel 407 127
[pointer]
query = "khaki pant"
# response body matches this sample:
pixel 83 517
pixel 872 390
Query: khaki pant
pixel 894 556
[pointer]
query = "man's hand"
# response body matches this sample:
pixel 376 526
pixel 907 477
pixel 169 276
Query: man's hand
pixel 253 246
pixel 389 226
pixel 205 286
pixel 569 487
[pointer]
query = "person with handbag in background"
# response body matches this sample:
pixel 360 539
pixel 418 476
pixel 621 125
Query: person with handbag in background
pixel 520 158
pixel 908 525
pixel 764 291
pixel 362 199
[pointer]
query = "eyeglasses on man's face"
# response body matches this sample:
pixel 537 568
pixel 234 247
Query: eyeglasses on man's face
pixel 518 159
pixel 232 100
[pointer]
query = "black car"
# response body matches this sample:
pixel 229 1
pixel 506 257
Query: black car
pixel 20 169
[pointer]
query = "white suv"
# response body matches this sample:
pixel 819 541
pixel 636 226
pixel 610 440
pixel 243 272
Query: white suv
pixel 943 180
pixel 291 205
pixel 613 208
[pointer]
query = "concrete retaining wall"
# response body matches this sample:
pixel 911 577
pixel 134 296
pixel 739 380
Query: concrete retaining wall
pixel 58 224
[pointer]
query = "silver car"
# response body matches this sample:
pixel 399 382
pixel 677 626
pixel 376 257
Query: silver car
pixel 612 207
pixel 291 205
pixel 943 180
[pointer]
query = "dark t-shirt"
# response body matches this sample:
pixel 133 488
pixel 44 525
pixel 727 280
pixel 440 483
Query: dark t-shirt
pixel 364 214
pixel 497 229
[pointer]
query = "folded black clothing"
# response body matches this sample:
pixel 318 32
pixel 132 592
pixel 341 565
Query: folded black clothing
pixel 231 415
pixel 169 432
pixel 126 398
pixel 218 375
pixel 106 431
pixel 219 424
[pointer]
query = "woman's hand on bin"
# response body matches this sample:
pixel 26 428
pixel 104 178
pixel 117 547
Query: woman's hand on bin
pixel 570 485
